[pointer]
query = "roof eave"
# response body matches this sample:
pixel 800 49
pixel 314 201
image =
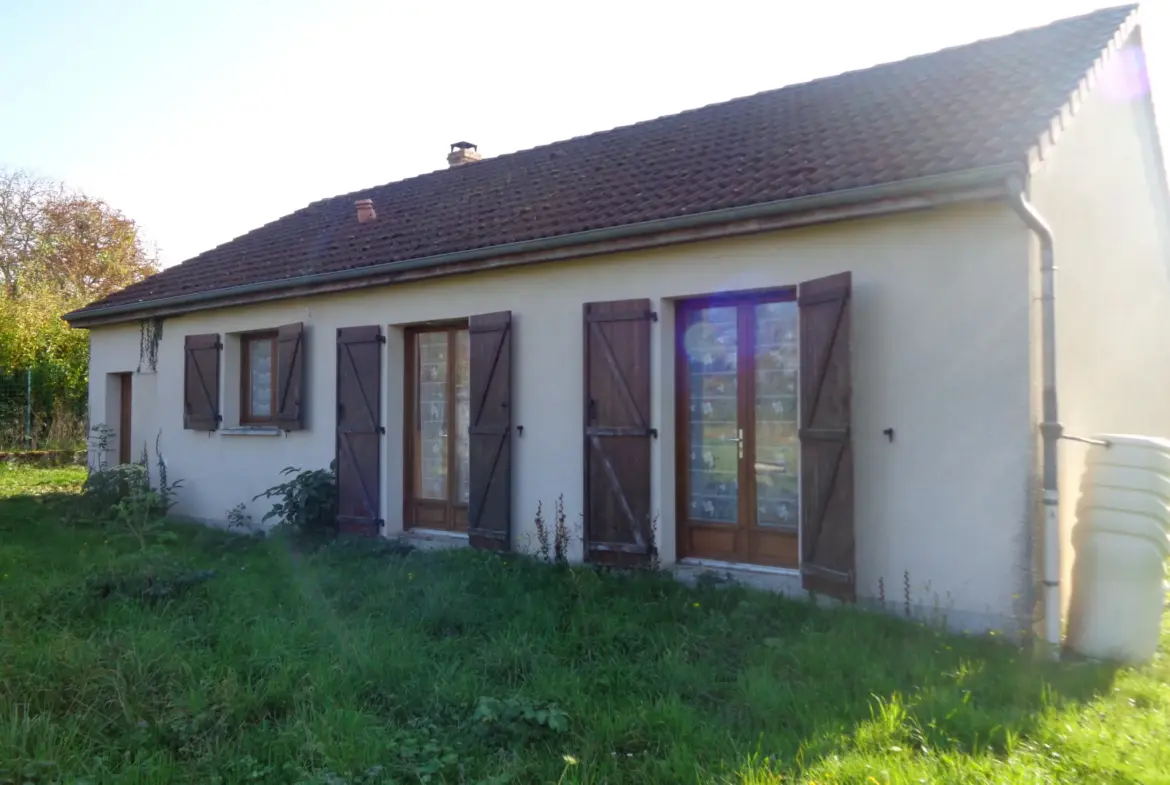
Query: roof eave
pixel 899 196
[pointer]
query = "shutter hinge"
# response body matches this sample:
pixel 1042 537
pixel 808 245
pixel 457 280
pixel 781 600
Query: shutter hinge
pixel 653 433
pixel 380 430
pixel 381 523
pixel 219 418
pixel 381 339
pixel 653 315
pixel 218 345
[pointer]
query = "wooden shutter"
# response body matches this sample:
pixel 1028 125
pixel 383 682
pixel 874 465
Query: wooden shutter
pixel 617 432
pixel 201 382
pixel 290 376
pixel 826 449
pixel 489 523
pixel 359 430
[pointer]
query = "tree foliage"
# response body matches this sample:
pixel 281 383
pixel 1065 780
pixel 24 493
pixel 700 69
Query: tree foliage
pixel 58 251
pixel 86 250
pixel 23 199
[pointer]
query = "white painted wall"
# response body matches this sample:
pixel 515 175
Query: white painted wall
pixel 940 355
pixel 1098 189
pixel 114 350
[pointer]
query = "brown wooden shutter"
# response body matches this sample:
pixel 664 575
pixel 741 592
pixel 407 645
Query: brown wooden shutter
pixel 489 523
pixel 826 448
pixel 201 382
pixel 359 430
pixel 290 376
pixel 617 432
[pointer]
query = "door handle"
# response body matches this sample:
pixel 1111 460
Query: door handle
pixel 738 439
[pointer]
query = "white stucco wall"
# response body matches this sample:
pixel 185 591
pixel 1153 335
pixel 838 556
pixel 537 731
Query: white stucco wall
pixel 1097 187
pixel 114 350
pixel 940 354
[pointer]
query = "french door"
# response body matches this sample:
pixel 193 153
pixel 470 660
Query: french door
pixel 738 367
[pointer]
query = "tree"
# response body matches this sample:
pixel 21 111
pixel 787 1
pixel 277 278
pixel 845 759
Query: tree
pixel 86 250
pixel 23 198
pixel 58 251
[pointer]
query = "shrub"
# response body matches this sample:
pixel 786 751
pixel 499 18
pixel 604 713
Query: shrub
pixel 105 489
pixel 307 502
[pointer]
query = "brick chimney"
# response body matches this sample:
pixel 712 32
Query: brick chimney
pixel 365 210
pixel 463 153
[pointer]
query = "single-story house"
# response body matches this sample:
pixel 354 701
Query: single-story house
pixel 808 336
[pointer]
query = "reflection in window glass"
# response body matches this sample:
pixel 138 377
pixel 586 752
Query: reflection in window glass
pixel 431 350
pixel 777 438
pixel 711 346
pixel 260 378
pixel 463 412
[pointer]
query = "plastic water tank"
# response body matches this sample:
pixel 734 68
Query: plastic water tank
pixel 1121 548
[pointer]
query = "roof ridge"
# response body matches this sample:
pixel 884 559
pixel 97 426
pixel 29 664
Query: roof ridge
pixel 504 157
pixel 925 115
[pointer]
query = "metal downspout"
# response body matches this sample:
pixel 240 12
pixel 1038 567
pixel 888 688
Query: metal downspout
pixel 1050 428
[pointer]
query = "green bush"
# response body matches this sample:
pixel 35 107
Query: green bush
pixel 307 502
pixel 105 489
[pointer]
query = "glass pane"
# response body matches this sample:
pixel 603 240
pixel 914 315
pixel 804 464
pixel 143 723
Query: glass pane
pixel 260 378
pixel 432 415
pixel 777 441
pixel 462 412
pixel 711 343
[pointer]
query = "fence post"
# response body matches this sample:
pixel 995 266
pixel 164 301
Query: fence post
pixel 28 409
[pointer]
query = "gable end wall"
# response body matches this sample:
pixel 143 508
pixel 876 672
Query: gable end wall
pixel 1098 189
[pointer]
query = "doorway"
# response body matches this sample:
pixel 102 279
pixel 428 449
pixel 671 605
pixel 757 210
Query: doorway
pixel 738 366
pixel 125 399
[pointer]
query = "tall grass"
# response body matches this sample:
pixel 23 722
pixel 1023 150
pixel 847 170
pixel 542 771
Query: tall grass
pixel 62 428
pixel 363 662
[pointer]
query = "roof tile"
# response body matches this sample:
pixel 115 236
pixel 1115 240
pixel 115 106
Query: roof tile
pixel 962 108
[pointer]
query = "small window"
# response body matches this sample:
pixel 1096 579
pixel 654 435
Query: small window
pixel 258 378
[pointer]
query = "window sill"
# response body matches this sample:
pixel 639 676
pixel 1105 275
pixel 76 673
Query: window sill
pixel 252 430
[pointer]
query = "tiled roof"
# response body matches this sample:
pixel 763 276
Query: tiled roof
pixel 967 107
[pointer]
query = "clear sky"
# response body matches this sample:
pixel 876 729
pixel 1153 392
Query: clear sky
pixel 203 120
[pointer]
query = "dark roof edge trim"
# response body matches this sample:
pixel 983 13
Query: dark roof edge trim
pixel 921 192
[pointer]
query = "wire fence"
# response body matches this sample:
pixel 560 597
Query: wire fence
pixel 39 413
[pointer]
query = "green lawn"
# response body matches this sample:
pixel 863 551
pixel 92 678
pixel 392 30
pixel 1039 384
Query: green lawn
pixel 356 664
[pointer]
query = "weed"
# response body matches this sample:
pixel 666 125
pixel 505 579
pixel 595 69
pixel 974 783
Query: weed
pixel 238 517
pixel 99 447
pixel 105 488
pixel 561 534
pixel 541 532
pixel 148 586
pixel 652 545
pixel 139 513
pixel 906 593
pixel 166 490
pixel 518 720
pixel 307 502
